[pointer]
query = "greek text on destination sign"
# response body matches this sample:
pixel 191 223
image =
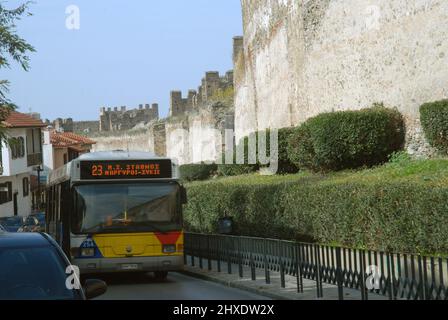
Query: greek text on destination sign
pixel 131 169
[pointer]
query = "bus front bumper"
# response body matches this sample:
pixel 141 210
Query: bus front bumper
pixel 140 264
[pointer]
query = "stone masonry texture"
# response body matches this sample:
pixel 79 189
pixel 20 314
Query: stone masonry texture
pixel 304 57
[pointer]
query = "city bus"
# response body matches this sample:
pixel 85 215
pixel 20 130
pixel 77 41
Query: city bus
pixel 118 212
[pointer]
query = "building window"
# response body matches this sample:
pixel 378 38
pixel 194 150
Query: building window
pixel 17 147
pixel 5 192
pixel 34 147
pixel 26 187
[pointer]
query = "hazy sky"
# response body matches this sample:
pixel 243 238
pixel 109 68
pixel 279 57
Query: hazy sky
pixel 125 53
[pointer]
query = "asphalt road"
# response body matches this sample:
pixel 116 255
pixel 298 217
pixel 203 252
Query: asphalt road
pixel 176 287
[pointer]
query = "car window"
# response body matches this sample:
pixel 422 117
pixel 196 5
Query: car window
pixel 33 274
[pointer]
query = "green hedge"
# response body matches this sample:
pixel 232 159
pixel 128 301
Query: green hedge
pixel 197 172
pixel 397 216
pixel 227 170
pixel 348 139
pixel 434 119
pixel 284 163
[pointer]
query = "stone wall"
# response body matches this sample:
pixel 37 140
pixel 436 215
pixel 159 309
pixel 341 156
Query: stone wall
pixel 84 127
pixel 121 119
pixel 304 57
pixel 193 138
pixel 211 84
pixel 199 136
pixel 135 141
pixel 194 132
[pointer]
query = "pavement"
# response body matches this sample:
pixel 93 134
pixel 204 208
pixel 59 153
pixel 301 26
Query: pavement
pixel 273 290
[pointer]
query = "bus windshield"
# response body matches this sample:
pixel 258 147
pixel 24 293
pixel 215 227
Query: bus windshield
pixel 122 208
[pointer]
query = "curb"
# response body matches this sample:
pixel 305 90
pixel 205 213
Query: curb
pixel 232 284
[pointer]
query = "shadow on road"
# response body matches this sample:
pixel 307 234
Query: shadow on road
pixel 117 279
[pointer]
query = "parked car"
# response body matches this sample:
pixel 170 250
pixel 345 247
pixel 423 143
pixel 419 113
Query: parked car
pixel 33 223
pixel 33 267
pixel 12 224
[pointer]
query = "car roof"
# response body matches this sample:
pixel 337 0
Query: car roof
pixel 30 240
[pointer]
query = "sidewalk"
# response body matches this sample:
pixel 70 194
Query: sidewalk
pixel 272 290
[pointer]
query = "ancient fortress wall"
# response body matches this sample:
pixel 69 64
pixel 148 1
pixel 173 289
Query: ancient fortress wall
pixel 191 138
pixel 134 141
pixel 193 133
pixel 304 57
pixel 200 136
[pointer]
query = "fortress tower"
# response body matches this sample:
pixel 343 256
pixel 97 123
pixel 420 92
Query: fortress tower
pixel 210 85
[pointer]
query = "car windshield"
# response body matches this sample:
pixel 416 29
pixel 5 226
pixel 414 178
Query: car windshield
pixel 33 274
pixel 120 208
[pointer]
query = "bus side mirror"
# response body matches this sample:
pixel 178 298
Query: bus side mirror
pixel 94 288
pixel 183 195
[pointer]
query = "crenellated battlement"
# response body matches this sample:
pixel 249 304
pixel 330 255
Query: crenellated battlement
pixel 120 118
pixel 210 85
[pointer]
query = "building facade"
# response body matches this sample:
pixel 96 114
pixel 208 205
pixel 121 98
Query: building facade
pixel 20 159
pixel 62 147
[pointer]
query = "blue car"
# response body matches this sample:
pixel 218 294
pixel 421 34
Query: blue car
pixel 33 267
pixel 12 224
pixel 33 223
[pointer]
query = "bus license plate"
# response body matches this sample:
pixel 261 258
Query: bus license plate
pixel 129 267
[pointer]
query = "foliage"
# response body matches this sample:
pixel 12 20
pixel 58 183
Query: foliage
pixel 348 139
pixel 197 172
pixel 238 167
pixel 223 95
pixel 434 119
pixel 400 206
pixel 261 157
pixel 14 47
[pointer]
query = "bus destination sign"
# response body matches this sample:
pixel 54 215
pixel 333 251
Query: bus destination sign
pixel 129 169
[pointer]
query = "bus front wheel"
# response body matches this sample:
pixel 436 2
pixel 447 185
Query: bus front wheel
pixel 161 275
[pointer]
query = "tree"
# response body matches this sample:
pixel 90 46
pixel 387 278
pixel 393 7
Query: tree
pixel 12 47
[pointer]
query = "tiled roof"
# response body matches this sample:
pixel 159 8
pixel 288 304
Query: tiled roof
pixel 69 140
pixel 76 137
pixel 21 120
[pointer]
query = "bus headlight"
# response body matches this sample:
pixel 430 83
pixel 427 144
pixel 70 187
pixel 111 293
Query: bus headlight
pixel 169 248
pixel 87 252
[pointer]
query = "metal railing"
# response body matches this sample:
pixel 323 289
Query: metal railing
pixel 395 276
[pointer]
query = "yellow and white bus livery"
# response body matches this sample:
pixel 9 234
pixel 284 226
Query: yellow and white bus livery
pixel 118 212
